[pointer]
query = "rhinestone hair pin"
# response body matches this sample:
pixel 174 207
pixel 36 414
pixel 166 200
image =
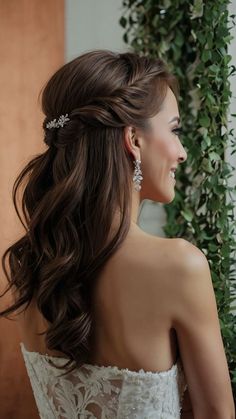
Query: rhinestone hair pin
pixel 57 124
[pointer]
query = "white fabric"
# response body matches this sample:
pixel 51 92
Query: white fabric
pixel 104 392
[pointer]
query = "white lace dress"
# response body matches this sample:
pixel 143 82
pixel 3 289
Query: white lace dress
pixel 97 392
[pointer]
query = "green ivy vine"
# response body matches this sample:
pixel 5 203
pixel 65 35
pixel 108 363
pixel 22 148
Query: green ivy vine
pixel 192 37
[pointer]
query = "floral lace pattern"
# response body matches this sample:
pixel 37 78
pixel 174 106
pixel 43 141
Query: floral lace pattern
pixel 97 392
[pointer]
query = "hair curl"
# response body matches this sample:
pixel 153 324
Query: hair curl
pixel 74 188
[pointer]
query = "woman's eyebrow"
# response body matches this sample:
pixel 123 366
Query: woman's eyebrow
pixel 176 118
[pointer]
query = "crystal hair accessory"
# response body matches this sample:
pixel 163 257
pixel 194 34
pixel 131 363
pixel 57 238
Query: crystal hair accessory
pixel 57 124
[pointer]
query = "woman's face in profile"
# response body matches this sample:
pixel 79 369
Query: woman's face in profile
pixel 162 151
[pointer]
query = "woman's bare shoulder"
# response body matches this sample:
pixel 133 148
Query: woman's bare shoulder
pixel 180 248
pixel 187 253
pixel 157 264
pixel 178 256
pixel 172 256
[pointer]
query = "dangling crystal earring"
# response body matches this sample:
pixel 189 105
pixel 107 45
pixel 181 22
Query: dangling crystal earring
pixel 137 175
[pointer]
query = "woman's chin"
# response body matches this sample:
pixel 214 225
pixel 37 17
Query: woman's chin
pixel 162 198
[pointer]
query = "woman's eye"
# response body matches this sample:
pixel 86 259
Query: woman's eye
pixel 177 131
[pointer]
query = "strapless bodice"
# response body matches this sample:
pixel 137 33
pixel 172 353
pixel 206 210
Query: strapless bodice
pixel 104 392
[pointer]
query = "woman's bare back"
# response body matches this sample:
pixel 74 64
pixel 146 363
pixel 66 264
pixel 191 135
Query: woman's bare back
pixel 132 330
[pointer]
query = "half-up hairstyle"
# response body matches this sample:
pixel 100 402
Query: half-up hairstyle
pixel 73 189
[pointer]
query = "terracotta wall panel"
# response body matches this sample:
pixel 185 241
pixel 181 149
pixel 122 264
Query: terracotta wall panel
pixel 31 48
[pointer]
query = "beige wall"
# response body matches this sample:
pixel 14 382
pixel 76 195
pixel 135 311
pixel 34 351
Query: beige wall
pixel 31 48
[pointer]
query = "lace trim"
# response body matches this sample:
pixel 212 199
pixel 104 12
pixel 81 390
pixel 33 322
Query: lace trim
pixel 103 368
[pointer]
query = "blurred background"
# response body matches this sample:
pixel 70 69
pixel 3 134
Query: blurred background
pixel 36 38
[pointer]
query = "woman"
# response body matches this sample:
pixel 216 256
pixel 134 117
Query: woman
pixel 133 316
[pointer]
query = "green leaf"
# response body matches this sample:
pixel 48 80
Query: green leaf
pixel 206 165
pixel 187 214
pixel 125 38
pixel 214 68
pixel 208 141
pixel 211 98
pixel 123 21
pixel 179 39
pixel 213 247
pixel 206 55
pixel 196 9
pixel 214 156
pixel 204 121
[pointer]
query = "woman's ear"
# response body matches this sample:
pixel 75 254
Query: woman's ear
pixel 131 143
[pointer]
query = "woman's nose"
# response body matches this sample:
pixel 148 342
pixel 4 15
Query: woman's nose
pixel 183 155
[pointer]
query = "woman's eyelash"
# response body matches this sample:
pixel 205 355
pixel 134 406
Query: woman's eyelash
pixel 177 131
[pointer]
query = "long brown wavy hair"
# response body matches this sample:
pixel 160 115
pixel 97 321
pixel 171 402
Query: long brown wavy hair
pixel 73 189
